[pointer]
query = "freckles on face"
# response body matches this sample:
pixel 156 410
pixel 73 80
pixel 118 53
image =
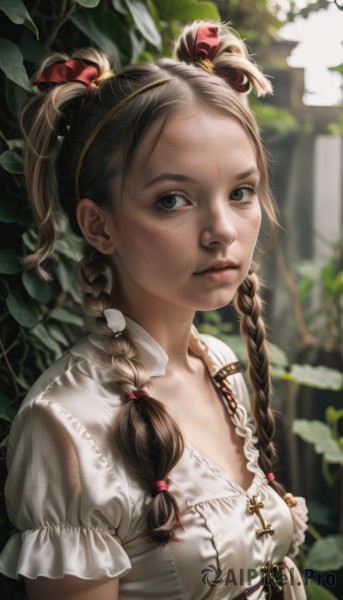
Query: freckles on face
pixel 189 203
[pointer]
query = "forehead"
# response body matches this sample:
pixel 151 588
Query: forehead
pixel 191 138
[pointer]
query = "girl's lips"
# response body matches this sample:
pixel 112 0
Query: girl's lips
pixel 222 275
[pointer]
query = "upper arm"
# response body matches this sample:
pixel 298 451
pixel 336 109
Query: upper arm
pixel 72 588
pixel 66 524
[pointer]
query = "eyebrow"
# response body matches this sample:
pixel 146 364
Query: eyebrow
pixel 179 177
pixel 174 176
pixel 248 173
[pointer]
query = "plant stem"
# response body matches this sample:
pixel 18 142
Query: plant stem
pixel 313 531
pixel 55 29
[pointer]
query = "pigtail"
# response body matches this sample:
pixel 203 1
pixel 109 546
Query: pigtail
pixel 249 305
pixel 44 118
pixel 230 60
pixel 144 431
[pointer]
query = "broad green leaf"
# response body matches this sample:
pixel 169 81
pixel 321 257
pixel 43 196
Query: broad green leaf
pixel 277 356
pixel 6 214
pixel 30 239
pixel 310 269
pixel 36 288
pixel 339 69
pixel 42 334
pixel 11 63
pixel 320 435
pixel 144 22
pixel 25 313
pixel 318 592
pixel 60 314
pixel 110 26
pixel 88 3
pixel 326 554
pixel 318 377
pixel 7 412
pixel 16 11
pixel 332 415
pixel 84 22
pixel 9 262
pixel 11 162
pixel 187 10
pixel 319 514
pixel 57 334
pixel 119 6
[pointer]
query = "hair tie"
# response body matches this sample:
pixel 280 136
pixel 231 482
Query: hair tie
pixel 136 394
pixel 115 320
pixel 70 70
pixel 270 476
pixel 206 43
pixel 159 486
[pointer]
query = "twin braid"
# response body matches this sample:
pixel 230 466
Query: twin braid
pixel 249 305
pixel 144 431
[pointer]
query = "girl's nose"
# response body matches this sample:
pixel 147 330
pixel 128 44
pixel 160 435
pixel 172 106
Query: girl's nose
pixel 218 228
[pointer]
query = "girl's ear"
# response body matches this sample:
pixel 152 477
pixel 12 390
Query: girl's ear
pixel 95 224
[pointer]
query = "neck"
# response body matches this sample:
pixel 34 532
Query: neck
pixel 170 326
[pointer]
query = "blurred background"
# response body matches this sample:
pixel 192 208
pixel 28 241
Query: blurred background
pixel 299 44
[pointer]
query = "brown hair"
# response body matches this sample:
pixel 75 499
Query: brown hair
pixel 144 431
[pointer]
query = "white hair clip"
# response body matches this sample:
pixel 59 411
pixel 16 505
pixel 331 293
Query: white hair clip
pixel 115 320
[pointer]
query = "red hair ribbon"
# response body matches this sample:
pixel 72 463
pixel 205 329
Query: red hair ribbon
pixel 73 69
pixel 206 42
pixel 136 395
pixel 270 477
pixel 159 486
pixel 235 78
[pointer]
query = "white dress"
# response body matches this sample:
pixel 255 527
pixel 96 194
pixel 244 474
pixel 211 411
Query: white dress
pixel 79 510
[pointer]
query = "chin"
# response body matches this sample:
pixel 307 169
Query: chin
pixel 216 303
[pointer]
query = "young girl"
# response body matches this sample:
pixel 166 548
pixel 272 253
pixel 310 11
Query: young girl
pixel 134 472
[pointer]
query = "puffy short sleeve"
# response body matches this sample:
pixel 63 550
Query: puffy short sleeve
pixel 70 509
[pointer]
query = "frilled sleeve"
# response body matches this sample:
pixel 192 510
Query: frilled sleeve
pixel 70 509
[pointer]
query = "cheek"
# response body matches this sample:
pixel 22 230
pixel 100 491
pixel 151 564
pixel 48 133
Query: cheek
pixel 151 244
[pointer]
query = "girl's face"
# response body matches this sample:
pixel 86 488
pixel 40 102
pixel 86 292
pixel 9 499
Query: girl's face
pixel 187 223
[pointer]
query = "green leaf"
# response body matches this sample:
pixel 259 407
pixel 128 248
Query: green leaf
pixel 6 215
pixel 7 412
pixel 309 269
pixel 11 63
pixel 25 313
pixel 339 69
pixel 16 11
pixel 144 22
pixel 9 262
pixel 332 415
pixel 320 435
pixel 319 513
pixel 42 334
pixel 187 10
pixel 319 377
pixel 119 6
pixel 317 592
pixel 88 3
pixel 67 317
pixel 277 356
pixel 11 162
pixel 57 334
pixel 84 22
pixel 326 554
pixel 36 288
pixel 110 26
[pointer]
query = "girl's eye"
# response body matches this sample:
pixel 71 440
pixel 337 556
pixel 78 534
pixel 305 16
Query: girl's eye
pixel 243 194
pixel 171 201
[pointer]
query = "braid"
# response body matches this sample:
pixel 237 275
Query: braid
pixel 249 306
pixel 146 434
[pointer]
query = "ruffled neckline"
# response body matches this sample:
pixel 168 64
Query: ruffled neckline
pixel 150 352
